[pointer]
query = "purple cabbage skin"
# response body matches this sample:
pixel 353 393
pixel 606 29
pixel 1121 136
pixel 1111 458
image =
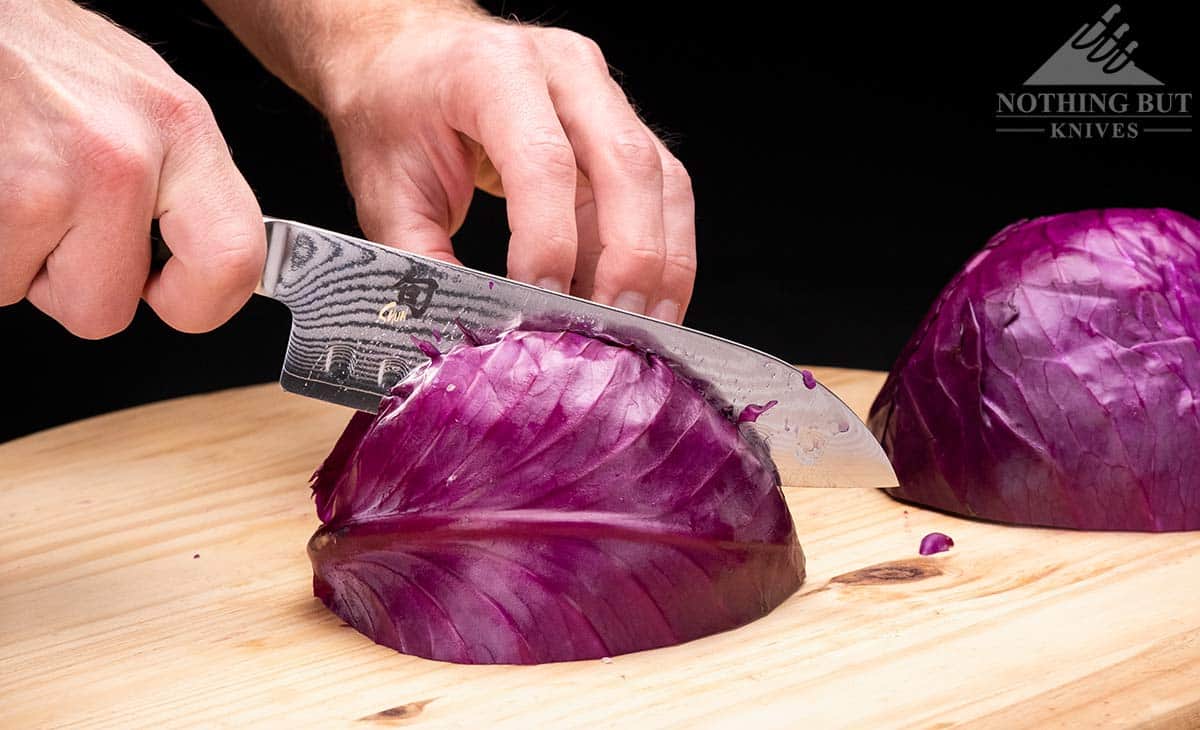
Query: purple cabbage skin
pixel 548 497
pixel 1054 381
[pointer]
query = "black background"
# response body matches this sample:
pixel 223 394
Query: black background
pixel 844 159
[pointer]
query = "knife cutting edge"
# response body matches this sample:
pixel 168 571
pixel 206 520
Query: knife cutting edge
pixel 357 307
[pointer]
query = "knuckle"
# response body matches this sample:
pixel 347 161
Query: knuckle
pixel 116 159
pixel 678 195
pixel 239 257
pixel 552 153
pixel 583 48
pixel 524 45
pixel 34 201
pixel 676 178
pixel 555 249
pixel 521 42
pixel 242 264
pixel 493 58
pixel 553 256
pixel 644 258
pixel 681 263
pixel 559 244
pixel 634 148
pixel 506 43
pixel 183 110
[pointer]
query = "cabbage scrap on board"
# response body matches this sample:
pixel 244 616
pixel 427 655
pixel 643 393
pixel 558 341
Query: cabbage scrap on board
pixel 548 497
pixel 1055 379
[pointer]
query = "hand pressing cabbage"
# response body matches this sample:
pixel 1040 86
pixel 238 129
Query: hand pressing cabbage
pixel 548 497
pixel 1055 380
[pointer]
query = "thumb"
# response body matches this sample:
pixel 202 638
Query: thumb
pixel 211 221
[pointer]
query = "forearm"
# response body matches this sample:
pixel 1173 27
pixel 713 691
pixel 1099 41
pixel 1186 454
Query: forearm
pixel 310 44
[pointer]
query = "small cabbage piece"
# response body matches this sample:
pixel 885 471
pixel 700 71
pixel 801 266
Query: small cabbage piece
pixel 935 542
pixel 548 497
pixel 1054 381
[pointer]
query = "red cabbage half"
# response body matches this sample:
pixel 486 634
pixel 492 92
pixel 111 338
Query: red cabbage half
pixel 1054 381
pixel 548 497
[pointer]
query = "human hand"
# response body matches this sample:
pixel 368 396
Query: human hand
pixel 98 136
pixel 429 99
pixel 455 101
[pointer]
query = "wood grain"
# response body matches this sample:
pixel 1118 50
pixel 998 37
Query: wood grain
pixel 154 575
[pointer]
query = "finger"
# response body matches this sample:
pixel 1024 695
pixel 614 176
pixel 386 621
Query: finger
pixel 211 221
pixel 408 230
pixel 584 282
pixel 619 156
pixel 33 219
pixel 91 282
pixel 519 130
pixel 407 207
pixel 679 223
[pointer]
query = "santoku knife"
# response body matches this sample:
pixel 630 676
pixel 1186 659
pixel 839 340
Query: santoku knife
pixel 357 306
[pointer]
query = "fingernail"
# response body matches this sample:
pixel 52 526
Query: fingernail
pixel 552 284
pixel 667 311
pixel 631 301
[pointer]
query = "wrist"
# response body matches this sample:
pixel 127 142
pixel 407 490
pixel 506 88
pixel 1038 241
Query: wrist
pixel 322 48
pixel 340 58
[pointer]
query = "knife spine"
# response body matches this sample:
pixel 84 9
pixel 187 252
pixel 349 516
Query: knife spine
pixel 277 254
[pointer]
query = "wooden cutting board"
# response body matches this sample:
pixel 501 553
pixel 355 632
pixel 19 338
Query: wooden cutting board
pixel 153 574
